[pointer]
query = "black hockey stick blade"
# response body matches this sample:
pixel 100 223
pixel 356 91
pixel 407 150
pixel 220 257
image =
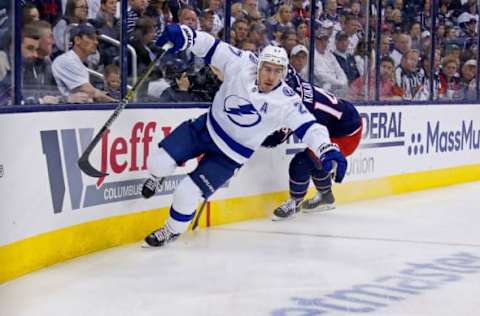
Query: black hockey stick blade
pixel 88 169
pixel 200 211
pixel 83 162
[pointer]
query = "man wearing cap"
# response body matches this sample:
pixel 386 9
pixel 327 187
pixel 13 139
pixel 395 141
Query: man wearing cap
pixel 468 82
pixel 344 58
pixel 299 59
pixel 69 70
pixel 327 73
pixel 207 21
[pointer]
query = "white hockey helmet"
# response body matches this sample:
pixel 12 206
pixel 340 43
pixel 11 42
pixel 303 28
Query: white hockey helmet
pixel 275 55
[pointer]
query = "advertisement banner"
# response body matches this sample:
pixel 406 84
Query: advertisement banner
pixel 42 188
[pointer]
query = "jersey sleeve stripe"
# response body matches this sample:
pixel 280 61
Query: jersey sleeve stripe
pixel 211 51
pixel 236 147
pixel 300 132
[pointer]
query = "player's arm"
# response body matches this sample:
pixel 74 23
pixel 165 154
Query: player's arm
pixel 317 138
pixel 214 51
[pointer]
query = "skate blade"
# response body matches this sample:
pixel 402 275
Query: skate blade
pixel 318 209
pixel 146 246
pixel 279 219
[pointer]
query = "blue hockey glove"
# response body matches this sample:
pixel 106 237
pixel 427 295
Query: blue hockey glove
pixel 181 36
pixel 277 137
pixel 332 160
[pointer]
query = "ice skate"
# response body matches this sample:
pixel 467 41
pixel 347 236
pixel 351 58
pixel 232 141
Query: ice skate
pixel 289 208
pixel 160 237
pixel 151 185
pixel 320 202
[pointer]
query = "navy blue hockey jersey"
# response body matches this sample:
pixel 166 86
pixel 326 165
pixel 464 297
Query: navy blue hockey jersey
pixel 338 115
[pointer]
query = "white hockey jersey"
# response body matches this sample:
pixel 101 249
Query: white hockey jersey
pixel 241 116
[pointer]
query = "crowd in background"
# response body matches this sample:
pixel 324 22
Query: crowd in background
pixel 63 46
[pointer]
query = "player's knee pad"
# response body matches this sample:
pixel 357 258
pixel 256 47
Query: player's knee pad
pixel 159 162
pixel 300 167
pixel 186 196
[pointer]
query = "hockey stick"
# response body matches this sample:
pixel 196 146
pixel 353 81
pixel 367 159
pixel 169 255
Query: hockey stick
pixel 83 161
pixel 200 211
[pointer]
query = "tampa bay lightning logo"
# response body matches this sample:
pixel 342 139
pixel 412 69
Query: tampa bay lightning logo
pixel 241 112
pixel 288 91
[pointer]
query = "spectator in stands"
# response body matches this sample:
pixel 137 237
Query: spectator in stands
pixel 415 33
pixel 251 11
pixel 41 77
pixel 438 88
pixel 454 51
pixel 75 13
pixel 388 88
pixel 385 42
pixel 258 35
pixel 237 12
pixel 330 13
pixel 207 21
pixel 112 81
pixel 69 70
pixel 107 24
pixel 180 85
pixel 302 34
pixel 407 76
pixel 188 16
pixel 240 30
pixel 353 29
pixel 38 86
pixel 135 12
pixel 360 55
pixel 402 44
pixel 468 81
pixel 327 72
pixel 468 29
pixel 142 39
pixel 30 13
pixel 288 40
pixel 50 10
pixel 299 60
pixel 215 6
pixel 249 46
pixel 160 12
pixel 280 22
pixel 93 8
pixel 344 58
pixel 299 11
pixel 450 78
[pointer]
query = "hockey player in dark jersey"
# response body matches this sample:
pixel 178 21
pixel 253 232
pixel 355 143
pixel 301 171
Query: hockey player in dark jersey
pixel 345 128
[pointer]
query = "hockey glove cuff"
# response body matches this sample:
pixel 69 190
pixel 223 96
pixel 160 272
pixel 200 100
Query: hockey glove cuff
pixel 181 36
pixel 332 161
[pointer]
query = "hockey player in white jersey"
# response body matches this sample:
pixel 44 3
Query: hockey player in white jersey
pixel 252 102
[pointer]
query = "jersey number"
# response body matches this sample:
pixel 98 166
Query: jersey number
pixel 328 95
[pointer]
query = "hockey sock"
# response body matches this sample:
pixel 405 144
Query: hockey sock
pixel 299 172
pixel 322 180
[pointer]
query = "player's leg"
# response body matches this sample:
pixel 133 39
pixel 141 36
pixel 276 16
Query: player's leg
pixel 211 173
pixel 299 178
pixel 324 198
pixel 178 147
pixel 185 200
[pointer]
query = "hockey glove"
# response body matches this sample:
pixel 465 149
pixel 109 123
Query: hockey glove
pixel 332 160
pixel 181 36
pixel 277 137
